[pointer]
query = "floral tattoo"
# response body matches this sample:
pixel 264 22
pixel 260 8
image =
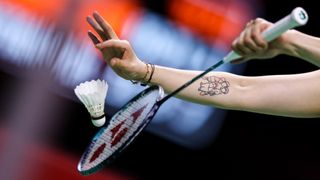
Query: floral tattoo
pixel 213 85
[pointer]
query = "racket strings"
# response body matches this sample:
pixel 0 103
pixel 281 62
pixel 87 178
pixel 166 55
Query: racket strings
pixel 100 149
pixel 126 119
pixel 134 107
pixel 128 113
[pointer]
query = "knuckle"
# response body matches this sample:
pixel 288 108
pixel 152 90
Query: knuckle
pixel 235 44
pixel 247 43
pixel 249 23
pixel 257 20
pixel 254 36
pixel 126 43
pixel 247 40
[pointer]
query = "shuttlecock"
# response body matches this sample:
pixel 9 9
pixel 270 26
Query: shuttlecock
pixel 93 94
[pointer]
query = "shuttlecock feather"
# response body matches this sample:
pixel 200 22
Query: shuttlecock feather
pixel 93 94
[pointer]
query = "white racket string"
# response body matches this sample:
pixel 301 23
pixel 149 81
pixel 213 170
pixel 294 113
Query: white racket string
pixel 103 140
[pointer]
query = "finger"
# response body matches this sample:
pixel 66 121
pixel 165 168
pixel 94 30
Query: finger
pixel 257 36
pixel 249 40
pixel 108 31
pixel 235 47
pixel 249 23
pixel 242 46
pixel 118 47
pixel 93 38
pixel 97 28
pixel 123 44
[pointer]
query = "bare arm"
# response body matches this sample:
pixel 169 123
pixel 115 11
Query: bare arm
pixel 285 95
pixel 303 46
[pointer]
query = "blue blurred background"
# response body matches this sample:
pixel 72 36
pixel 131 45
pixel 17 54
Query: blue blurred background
pixel 45 53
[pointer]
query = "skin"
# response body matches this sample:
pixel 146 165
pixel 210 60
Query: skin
pixel 295 95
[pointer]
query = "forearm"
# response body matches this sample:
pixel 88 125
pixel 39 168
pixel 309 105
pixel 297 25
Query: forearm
pixel 219 89
pixel 303 46
pixel 285 95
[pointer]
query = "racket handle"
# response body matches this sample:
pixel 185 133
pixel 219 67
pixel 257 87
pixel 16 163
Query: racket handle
pixel 297 17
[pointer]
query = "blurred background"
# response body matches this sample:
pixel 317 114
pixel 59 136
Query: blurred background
pixel 45 53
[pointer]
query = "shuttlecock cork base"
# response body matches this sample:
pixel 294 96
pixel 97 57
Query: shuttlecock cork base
pixel 93 94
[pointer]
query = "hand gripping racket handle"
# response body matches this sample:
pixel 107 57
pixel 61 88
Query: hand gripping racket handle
pixel 297 17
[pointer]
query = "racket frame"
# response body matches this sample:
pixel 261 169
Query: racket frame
pixel 117 152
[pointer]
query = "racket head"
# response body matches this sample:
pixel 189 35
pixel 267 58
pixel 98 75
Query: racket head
pixel 122 129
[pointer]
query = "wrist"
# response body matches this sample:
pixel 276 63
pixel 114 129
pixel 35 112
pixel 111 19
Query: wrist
pixel 149 75
pixel 144 74
pixel 289 43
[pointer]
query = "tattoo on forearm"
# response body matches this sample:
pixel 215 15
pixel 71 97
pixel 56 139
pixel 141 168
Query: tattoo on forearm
pixel 213 85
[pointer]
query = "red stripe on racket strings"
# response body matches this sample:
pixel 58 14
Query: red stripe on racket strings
pixel 117 133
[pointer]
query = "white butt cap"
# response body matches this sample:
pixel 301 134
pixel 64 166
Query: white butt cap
pixel 99 122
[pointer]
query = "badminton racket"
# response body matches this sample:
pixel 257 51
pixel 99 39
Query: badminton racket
pixel 134 116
